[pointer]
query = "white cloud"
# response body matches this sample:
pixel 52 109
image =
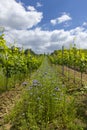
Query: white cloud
pixel 31 8
pixel 14 15
pixel 38 4
pixel 63 18
pixel 53 21
pixel 47 41
pixel 77 30
pixel 80 34
pixel 85 24
pixel 18 22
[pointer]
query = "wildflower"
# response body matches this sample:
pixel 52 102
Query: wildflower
pixel 56 98
pixel 24 83
pixel 35 81
pixel 38 98
pixel 45 73
pixel 57 89
pixel 63 85
pixel 54 94
pixel 23 114
pixel 35 84
pixel 29 88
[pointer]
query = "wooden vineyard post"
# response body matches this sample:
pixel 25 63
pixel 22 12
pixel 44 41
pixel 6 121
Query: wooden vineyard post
pixel 68 65
pixel 63 60
pixel 74 54
pixel 63 64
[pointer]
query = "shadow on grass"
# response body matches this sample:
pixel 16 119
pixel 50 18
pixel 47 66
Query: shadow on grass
pixel 82 111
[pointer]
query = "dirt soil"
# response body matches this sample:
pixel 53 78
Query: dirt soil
pixel 8 100
pixel 77 74
pixel 81 97
pixel 71 73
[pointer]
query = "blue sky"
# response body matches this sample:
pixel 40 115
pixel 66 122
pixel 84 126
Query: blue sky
pixel 44 25
pixel 52 9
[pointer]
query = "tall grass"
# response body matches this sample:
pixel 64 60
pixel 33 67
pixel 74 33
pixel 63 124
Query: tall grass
pixel 45 104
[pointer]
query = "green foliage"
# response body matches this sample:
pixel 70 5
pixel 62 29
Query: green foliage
pixel 73 58
pixel 45 104
pixel 15 63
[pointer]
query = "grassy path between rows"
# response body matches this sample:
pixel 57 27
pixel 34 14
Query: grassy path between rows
pixel 44 104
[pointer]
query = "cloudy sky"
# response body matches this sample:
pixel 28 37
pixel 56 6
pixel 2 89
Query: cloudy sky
pixel 44 25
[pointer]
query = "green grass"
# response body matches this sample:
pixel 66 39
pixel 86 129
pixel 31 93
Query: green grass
pixel 2 81
pixel 45 104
